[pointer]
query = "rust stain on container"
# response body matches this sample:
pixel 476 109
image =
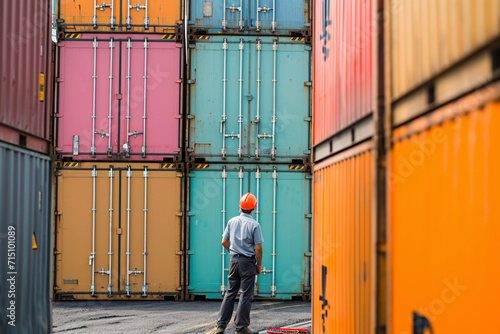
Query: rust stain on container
pixel 444 190
pixel 161 197
pixel 343 268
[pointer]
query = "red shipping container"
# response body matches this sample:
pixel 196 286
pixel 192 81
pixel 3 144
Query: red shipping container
pixel 343 64
pixel 119 97
pixel 26 73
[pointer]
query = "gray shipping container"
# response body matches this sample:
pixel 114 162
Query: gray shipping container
pixel 25 239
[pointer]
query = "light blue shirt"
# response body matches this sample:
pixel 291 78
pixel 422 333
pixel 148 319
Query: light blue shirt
pixel 243 233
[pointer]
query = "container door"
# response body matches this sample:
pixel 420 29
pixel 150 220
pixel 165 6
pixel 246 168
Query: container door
pixel 283 213
pixel 88 97
pixel 244 16
pixel 214 197
pixel 151 16
pixel 151 97
pixel 151 242
pixel 87 15
pixel 219 101
pixel 86 262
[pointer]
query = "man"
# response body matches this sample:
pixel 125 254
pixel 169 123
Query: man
pixel 243 239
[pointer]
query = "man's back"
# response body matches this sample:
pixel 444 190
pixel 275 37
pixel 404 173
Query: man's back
pixel 244 233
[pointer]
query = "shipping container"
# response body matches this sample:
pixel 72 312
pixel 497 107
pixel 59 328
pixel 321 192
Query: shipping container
pixel 429 37
pixel 284 212
pixel 249 99
pixel 250 17
pixel 26 66
pixel 154 16
pixel 343 239
pixel 444 214
pixel 119 97
pixel 119 231
pixel 344 45
pixel 25 211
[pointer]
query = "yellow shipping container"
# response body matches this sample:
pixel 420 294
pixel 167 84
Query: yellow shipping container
pixel 118 232
pixel 344 263
pixel 430 36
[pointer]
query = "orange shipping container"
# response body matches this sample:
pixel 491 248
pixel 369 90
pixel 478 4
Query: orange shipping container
pixel 110 262
pixel 149 16
pixel 444 250
pixel 430 36
pixel 343 243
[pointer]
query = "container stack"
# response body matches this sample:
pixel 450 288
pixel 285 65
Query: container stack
pixel 405 185
pixel 248 130
pixel 26 67
pixel 118 138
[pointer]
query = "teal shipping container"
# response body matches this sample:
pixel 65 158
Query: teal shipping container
pixel 249 99
pixel 284 213
pixel 250 16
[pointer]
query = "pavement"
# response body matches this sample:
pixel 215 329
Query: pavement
pixel 168 316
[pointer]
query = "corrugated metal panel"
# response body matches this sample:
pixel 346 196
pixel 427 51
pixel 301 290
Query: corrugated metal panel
pixel 161 128
pixel 78 15
pixel 206 222
pixel 25 48
pixel 430 36
pixel 343 64
pixel 210 131
pixel 256 17
pixel 157 189
pixel 444 218
pixel 25 210
pixel 343 266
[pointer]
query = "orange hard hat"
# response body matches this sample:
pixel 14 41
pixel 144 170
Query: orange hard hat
pixel 248 202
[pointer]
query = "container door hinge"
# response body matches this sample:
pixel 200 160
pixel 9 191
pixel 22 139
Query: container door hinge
pixel 190 116
pixel 57 287
pixel 119 231
pixel 307 152
pixel 179 175
pixel 307 48
pixel 190 149
pixel 119 96
pixel 190 82
pixel 179 214
pixel 57 252
pixel 179 253
pixel 178 81
pixel 57 213
pixel 307 119
pixel 190 252
pixel 191 213
pixel 60 80
pixel 308 215
pixel 309 177
pixel 190 288
pixel 308 83
pixel 178 116
pixel 179 288
pixel 308 254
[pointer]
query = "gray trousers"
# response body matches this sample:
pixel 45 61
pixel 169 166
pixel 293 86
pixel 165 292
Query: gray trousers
pixel 241 278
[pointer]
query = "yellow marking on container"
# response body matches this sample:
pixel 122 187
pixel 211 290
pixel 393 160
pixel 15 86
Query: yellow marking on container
pixel 73 35
pixel 297 38
pixel 71 164
pixel 169 36
pixel 42 87
pixel 35 246
pixel 167 165
pixel 296 167
pixel 202 166
pixel 204 37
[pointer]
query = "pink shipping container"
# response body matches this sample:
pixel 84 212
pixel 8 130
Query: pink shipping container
pixel 119 97
pixel 343 64
pixel 26 68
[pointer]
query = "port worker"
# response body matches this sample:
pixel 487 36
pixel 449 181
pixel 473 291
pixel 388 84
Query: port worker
pixel 243 240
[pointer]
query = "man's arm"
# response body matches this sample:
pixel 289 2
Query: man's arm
pixel 258 254
pixel 225 243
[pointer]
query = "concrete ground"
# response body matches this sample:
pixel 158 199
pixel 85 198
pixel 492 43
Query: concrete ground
pixel 167 316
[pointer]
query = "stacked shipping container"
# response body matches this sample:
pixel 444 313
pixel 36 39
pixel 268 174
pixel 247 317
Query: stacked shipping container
pixel 26 60
pixel 248 130
pixel 414 260
pixel 118 138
